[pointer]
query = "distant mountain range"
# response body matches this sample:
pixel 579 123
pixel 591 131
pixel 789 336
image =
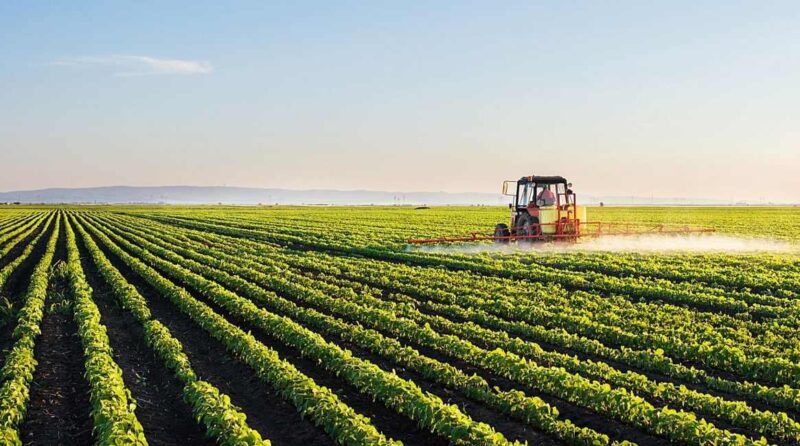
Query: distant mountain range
pixel 252 196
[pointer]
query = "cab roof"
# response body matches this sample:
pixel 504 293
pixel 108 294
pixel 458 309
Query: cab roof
pixel 540 179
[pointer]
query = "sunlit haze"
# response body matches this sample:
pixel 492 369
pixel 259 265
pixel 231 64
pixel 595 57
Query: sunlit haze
pixel 676 99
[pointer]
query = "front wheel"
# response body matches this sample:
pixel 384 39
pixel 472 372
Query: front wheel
pixel 528 226
pixel 501 230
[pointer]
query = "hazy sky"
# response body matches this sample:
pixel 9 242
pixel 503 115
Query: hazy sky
pixel 689 99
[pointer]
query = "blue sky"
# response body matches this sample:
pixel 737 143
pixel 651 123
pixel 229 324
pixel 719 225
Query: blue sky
pixel 624 98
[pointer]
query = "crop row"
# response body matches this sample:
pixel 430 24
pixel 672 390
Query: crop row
pixel 19 225
pixel 19 365
pixel 11 266
pixel 112 406
pixel 690 270
pixel 17 234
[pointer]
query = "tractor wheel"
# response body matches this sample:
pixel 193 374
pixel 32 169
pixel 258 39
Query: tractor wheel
pixel 567 227
pixel 501 230
pixel 528 226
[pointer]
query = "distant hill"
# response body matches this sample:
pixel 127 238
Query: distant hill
pixel 241 195
pixel 251 196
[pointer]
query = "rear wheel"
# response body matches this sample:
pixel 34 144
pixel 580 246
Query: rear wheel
pixel 501 230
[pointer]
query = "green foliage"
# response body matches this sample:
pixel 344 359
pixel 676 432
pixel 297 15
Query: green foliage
pixel 112 404
pixel 223 421
pixel 318 403
pixel 670 345
pixel 7 312
pixel 17 371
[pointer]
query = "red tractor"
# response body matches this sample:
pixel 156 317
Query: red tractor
pixel 544 208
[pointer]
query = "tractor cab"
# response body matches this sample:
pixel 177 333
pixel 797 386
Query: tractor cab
pixel 544 207
pixel 536 192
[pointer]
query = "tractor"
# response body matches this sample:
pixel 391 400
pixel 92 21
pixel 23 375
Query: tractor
pixel 544 208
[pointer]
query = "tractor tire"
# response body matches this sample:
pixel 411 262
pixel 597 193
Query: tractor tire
pixel 567 227
pixel 501 230
pixel 528 226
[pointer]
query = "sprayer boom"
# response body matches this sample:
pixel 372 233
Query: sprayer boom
pixel 545 209
pixel 585 230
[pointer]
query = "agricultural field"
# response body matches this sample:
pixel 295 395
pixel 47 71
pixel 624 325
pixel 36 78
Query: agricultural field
pixel 319 325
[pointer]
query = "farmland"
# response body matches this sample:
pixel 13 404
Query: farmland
pixel 318 325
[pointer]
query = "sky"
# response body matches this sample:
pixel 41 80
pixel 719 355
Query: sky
pixel 624 98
